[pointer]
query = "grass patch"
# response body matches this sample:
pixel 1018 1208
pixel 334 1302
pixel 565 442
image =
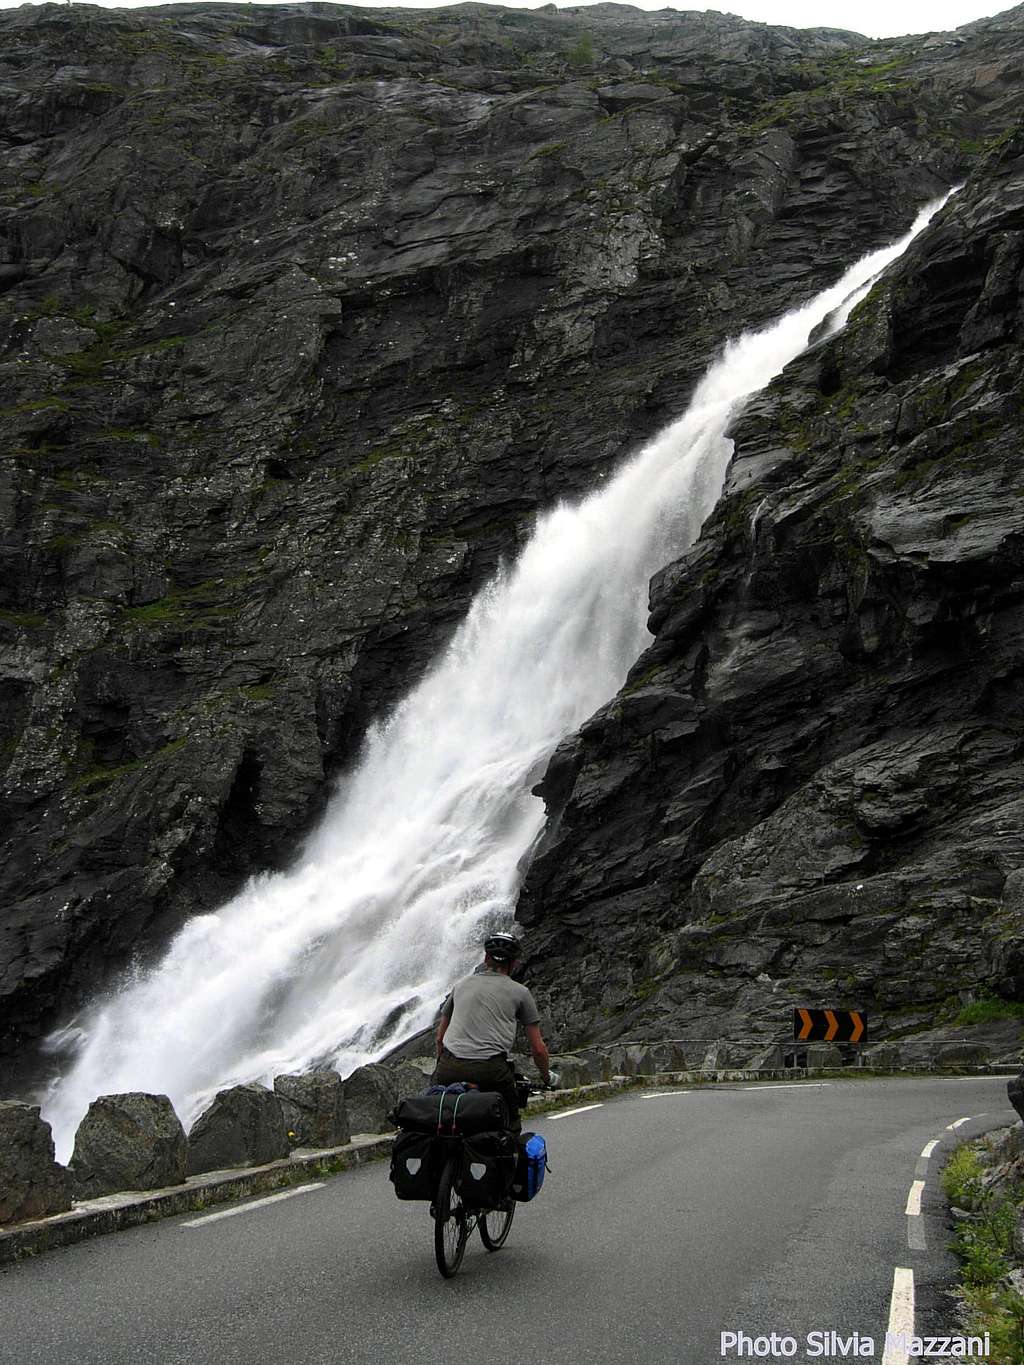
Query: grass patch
pixel 961 1178
pixel 548 149
pixel 125 434
pixel 988 1010
pixel 35 405
pixel 203 605
pixel 99 775
pixel 87 366
pixel 260 692
pixel 1000 1313
pixel 395 451
pixel 27 619
pixel 984 1247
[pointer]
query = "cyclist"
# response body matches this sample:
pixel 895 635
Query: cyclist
pixel 477 1027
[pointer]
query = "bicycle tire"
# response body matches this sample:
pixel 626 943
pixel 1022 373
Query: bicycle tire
pixel 451 1232
pixel 495 1226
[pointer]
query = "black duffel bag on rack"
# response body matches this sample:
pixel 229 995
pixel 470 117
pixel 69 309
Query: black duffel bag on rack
pixel 451 1114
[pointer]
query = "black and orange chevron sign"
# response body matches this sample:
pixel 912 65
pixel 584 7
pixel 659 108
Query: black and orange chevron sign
pixel 830 1026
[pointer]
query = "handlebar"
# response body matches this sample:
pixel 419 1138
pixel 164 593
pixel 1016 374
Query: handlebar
pixel 538 1087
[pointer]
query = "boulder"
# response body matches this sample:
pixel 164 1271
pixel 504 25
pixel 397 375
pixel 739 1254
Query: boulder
pixel 1015 1091
pixel 597 1063
pixel 963 1054
pixel 824 1054
pixel 32 1184
pixel 314 1110
pixel 372 1091
pixel 244 1126
pixel 574 1070
pixel 409 1079
pixel 128 1142
pixel 884 1056
pixel 767 1058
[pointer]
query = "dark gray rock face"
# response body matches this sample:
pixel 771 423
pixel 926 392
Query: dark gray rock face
pixel 1015 1092
pixel 244 1126
pixel 313 1105
pixel 305 315
pixel 32 1184
pixel 128 1142
pixel 810 789
pixel 371 1092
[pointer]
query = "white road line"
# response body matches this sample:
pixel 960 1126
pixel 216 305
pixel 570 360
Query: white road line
pixel 789 1085
pixel 568 1113
pixel 901 1318
pixel 954 1126
pixel 660 1094
pixel 256 1204
pixel 913 1209
pixel 927 1151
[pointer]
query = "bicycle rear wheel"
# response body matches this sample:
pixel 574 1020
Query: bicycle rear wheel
pixel 451 1227
pixel 495 1225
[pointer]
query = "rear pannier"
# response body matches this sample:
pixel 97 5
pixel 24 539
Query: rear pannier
pixel 415 1166
pixel 489 1163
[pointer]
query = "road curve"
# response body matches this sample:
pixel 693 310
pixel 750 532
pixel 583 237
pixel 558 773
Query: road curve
pixel 667 1219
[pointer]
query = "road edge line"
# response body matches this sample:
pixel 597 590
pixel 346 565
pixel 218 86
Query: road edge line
pixel 901 1318
pixel 252 1204
pixel 568 1113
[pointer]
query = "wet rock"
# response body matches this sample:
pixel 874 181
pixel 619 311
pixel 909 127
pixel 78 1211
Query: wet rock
pixel 313 1105
pixel 128 1142
pixel 767 1058
pixel 838 819
pixel 372 1091
pixel 32 1184
pixel 963 1054
pixel 886 1057
pixel 244 1126
pixel 574 1071
pixel 291 371
pixel 409 1078
pixel 825 1054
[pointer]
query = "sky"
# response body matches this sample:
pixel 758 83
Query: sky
pixel 875 18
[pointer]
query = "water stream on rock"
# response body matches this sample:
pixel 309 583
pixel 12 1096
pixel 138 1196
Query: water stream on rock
pixel 422 844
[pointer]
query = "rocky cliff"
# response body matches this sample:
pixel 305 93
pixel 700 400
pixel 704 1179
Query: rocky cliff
pixel 810 788
pixel 308 309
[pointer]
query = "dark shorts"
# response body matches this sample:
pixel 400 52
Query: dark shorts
pixel 493 1074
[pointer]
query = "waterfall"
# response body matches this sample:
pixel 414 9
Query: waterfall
pixel 420 848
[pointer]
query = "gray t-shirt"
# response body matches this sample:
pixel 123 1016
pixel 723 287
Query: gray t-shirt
pixel 483 1011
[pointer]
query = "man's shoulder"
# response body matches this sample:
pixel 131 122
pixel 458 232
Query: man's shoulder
pixel 493 981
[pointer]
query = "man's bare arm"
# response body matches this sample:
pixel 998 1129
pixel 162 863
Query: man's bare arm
pixel 539 1050
pixel 442 1029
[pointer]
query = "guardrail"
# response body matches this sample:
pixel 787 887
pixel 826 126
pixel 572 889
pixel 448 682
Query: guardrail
pixel 751 1053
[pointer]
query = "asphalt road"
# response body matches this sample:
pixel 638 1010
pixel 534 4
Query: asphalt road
pixel 667 1219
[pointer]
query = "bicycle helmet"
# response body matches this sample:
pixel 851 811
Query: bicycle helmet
pixel 502 947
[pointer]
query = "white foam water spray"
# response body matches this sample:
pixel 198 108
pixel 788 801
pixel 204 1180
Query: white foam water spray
pixel 421 847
